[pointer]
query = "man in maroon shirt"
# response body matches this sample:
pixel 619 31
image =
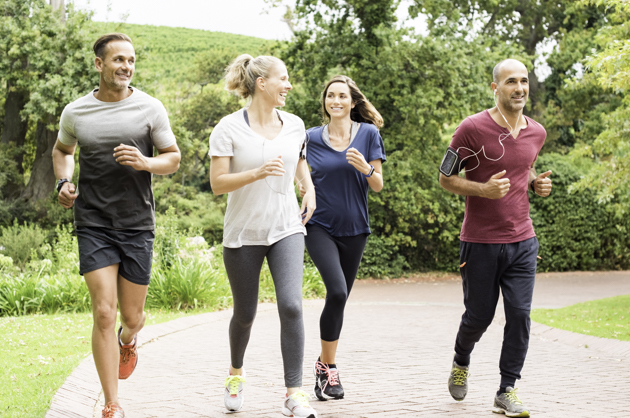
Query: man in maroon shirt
pixel 498 148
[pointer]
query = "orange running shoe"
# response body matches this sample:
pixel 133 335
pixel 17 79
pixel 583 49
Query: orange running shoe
pixel 128 356
pixel 113 410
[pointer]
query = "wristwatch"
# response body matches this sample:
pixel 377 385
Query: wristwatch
pixel 532 185
pixel 60 183
pixel 371 171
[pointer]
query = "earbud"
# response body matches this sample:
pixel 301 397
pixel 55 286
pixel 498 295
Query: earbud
pixel 495 91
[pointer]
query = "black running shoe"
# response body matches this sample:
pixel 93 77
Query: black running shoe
pixel 327 383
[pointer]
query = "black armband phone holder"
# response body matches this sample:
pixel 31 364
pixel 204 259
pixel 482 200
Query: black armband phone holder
pixel 451 163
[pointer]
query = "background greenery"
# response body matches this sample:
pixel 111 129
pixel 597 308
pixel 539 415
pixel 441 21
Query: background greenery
pixel 424 85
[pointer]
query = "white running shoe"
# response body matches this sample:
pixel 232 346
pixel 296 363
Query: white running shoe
pixel 233 396
pixel 297 405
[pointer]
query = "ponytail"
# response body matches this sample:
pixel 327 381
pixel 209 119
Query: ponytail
pixel 242 73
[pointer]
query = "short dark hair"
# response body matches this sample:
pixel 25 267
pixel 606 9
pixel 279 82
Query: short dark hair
pixel 102 42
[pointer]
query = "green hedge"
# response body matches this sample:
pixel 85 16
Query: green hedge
pixel 575 231
pixel 416 223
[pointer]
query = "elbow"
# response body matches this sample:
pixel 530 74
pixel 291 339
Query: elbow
pixel 377 188
pixel 177 160
pixel 216 189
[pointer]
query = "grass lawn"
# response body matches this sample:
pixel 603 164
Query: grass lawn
pixel 38 352
pixel 606 318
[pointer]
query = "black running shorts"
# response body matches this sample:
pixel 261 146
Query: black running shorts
pixel 131 249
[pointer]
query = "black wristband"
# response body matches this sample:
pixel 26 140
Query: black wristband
pixel 531 185
pixel 60 184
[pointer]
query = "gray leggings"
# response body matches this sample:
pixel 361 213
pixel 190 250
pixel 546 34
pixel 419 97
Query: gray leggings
pixel 285 258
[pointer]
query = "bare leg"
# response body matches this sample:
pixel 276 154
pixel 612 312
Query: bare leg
pixel 329 350
pixel 102 286
pixel 131 298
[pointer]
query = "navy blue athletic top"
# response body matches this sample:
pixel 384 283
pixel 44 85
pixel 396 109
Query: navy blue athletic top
pixel 341 190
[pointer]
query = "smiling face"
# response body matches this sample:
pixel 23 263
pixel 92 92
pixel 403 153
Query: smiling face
pixel 338 101
pixel 276 86
pixel 117 66
pixel 512 88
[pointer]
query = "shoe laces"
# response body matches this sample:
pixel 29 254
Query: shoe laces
pixel 232 382
pixel 127 353
pixel 512 398
pixel 332 375
pixel 110 410
pixel 301 398
pixel 460 376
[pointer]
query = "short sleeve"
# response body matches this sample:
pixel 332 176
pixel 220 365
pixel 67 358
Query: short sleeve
pixel 221 141
pixel 161 132
pixel 303 148
pixel 66 127
pixel 377 148
pixel 462 138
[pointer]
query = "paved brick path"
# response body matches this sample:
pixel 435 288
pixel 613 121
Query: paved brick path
pixel 394 359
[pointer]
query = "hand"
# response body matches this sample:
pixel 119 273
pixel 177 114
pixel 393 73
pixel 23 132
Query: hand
pixel 542 184
pixel 273 167
pixel 308 205
pixel 357 160
pixel 496 187
pixel 67 195
pixel 131 156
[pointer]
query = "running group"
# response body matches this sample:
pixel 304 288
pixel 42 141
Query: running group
pixel 259 155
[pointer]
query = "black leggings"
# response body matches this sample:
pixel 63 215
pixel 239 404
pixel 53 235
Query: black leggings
pixel 337 259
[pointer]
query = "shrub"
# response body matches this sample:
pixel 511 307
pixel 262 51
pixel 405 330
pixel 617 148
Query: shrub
pixel 575 231
pixel 22 242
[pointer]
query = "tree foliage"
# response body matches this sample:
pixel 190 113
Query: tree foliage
pixel 611 149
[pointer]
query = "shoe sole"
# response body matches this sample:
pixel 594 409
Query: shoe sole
pixel 510 414
pixel 287 413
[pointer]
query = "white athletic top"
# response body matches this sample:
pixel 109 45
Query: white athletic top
pixel 263 212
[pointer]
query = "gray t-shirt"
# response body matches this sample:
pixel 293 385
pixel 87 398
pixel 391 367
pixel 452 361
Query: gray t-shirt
pixel 112 195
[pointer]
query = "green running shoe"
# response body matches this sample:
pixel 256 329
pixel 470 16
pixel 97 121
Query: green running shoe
pixel 509 404
pixel 458 382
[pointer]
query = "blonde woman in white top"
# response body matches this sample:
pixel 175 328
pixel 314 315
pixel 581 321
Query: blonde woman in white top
pixel 255 159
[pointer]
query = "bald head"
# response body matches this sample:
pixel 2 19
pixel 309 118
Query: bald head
pixel 509 64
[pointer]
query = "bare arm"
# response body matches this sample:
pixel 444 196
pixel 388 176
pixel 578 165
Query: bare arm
pixel 63 165
pixel 495 188
pixel 166 162
pixel 222 181
pixel 376 180
pixel 307 190
pixel 357 160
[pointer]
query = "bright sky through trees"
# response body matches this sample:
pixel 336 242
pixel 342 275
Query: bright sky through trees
pixel 243 17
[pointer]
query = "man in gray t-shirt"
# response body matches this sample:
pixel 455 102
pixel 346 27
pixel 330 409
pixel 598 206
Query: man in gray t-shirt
pixel 116 127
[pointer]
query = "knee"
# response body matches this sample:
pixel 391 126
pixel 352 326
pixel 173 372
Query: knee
pixel 132 320
pixel 477 323
pixel 104 317
pixel 517 315
pixel 337 298
pixel 291 311
pixel 244 318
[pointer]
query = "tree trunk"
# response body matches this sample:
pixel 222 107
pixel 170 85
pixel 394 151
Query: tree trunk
pixel 535 95
pixel 42 179
pixel 14 128
pixel 59 4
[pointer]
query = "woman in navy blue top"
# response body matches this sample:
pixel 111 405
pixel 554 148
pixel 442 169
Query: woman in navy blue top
pixel 345 157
